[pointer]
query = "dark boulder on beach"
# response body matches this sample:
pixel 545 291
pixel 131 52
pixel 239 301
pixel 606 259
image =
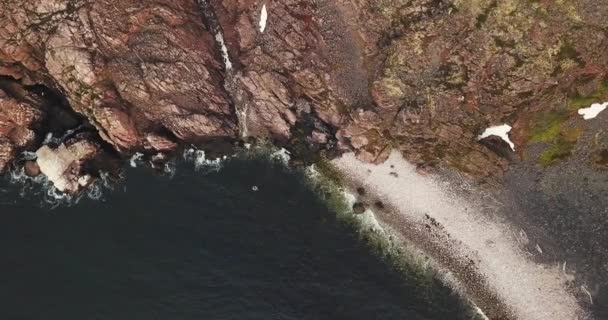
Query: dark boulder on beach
pixel 359 208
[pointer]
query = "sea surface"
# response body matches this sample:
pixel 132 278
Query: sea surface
pixel 200 245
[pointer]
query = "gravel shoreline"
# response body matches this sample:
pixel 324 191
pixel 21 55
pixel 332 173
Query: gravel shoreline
pixel 483 254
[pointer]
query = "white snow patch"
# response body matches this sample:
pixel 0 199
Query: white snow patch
pixel 263 18
pixel 219 37
pixel 593 111
pixel 500 131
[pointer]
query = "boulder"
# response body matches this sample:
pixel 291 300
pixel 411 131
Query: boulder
pixel 31 168
pixel 359 208
pixel 65 166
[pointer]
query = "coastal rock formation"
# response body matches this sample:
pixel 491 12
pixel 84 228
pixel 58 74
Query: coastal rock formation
pixel 131 67
pixel 423 77
pixel 87 83
pixel 66 165
pixel 17 123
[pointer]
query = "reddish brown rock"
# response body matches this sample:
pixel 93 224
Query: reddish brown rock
pixel 7 153
pixel 307 53
pixel 31 168
pixel 17 122
pixel 160 143
pixel 160 68
pixel 423 77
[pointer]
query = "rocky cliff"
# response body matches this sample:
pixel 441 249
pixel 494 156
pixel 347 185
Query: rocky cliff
pixel 425 77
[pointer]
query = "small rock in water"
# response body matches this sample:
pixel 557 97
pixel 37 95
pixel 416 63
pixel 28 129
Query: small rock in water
pixel 359 208
pixel 31 168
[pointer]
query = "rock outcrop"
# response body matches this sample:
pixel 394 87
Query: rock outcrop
pixel 66 165
pixel 17 123
pixel 424 77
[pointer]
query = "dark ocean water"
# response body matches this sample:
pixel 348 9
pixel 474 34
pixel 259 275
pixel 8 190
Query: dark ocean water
pixel 200 246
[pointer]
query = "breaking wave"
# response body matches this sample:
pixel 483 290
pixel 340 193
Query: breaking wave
pixel 40 188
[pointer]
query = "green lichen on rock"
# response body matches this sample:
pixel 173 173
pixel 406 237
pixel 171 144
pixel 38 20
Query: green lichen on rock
pixel 584 101
pixel 555 129
pixel 557 151
pixel 434 101
pixel 548 126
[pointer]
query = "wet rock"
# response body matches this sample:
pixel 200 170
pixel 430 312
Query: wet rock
pixel 359 208
pixel 319 138
pixel 160 67
pixel 31 168
pixel 159 159
pixel 160 143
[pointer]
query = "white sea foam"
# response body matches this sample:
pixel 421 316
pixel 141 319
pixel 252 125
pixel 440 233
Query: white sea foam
pixel 51 139
pixel 95 192
pixel 135 159
pixel 312 172
pixel 533 291
pixel 28 156
pixel 281 155
pixel 199 158
pixel 46 190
